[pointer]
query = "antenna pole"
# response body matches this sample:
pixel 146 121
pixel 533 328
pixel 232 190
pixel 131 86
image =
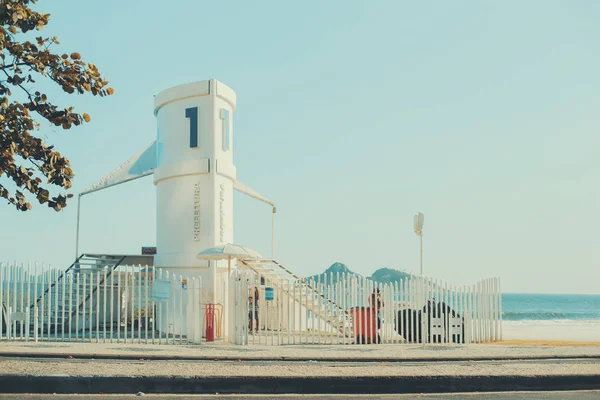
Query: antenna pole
pixel 421 236
pixel 418 221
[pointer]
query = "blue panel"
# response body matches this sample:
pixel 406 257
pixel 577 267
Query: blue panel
pixel 161 290
pixel 192 114
pixel 269 293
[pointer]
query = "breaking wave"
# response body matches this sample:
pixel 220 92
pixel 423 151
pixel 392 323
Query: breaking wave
pixel 546 316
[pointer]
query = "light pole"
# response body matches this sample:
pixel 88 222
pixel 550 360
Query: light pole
pixel 418 225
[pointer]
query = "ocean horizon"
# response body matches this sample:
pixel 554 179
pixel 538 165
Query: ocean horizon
pixel 524 307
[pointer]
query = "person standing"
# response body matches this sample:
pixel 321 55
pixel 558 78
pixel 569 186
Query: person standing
pixel 375 301
pixel 253 311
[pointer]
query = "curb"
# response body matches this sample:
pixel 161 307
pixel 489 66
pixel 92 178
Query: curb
pixel 154 357
pixel 62 384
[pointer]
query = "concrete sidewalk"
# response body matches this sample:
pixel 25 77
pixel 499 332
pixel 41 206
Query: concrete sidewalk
pixel 297 369
pixel 293 352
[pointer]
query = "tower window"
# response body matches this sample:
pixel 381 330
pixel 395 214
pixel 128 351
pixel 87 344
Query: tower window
pixel 226 127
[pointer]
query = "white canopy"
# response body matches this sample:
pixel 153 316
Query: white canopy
pixel 226 251
pixel 138 166
pixel 240 187
pixel 143 164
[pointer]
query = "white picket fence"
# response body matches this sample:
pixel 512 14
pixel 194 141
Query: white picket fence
pixel 336 309
pixel 136 304
pixel 130 304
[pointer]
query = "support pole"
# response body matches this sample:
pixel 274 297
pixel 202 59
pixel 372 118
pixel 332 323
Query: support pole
pixel 213 280
pixel 273 234
pixel 77 233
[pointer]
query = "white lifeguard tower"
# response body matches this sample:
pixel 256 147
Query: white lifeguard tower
pixel 191 161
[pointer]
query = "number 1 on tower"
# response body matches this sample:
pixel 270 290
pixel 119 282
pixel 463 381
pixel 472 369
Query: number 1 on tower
pixel 192 114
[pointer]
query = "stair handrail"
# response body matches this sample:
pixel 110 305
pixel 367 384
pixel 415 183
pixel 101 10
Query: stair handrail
pixel 62 274
pixel 105 278
pixel 302 280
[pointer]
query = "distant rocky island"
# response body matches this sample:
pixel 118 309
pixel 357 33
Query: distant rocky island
pixel 382 275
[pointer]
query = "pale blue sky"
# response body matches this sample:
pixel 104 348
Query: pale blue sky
pixel 353 116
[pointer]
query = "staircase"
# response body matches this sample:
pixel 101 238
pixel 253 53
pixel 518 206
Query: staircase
pixel 52 316
pixel 303 293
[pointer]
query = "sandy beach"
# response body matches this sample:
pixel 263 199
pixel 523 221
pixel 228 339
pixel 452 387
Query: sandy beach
pixel 552 331
pixel 552 343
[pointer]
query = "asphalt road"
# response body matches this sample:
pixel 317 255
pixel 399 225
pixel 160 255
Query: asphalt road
pixel 578 395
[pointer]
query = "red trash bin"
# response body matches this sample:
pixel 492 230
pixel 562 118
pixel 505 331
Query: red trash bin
pixel 365 325
pixel 210 322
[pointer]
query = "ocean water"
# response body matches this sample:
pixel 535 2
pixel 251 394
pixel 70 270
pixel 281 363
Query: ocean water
pixel 559 308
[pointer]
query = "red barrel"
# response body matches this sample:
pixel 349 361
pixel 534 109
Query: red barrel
pixel 210 322
pixel 365 325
